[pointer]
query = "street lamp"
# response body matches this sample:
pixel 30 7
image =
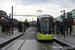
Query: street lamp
pixel 63 20
pixel 9 23
pixel 39 12
pixel 12 19
pixel 64 13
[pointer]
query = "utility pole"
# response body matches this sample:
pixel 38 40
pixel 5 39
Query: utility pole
pixel 64 22
pixel 12 19
pixel 9 23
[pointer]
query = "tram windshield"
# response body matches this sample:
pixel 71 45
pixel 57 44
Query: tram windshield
pixel 46 24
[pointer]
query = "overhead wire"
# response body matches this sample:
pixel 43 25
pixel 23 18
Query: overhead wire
pixel 15 8
pixel 24 5
pixel 42 4
pixel 18 9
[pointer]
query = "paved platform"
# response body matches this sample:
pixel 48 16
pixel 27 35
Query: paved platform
pixel 68 40
pixel 5 39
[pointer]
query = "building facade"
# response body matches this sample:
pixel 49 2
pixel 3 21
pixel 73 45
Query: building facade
pixel 73 13
pixel 6 22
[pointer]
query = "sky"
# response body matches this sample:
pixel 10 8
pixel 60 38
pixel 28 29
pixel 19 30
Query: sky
pixel 30 7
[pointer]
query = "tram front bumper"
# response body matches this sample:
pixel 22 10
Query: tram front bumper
pixel 44 37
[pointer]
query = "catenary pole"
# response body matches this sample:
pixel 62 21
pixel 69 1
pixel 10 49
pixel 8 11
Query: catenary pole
pixel 12 19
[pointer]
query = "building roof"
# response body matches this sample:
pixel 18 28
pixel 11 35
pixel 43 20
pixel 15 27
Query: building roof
pixel 2 12
pixel 73 10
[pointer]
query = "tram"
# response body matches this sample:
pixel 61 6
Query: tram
pixel 45 27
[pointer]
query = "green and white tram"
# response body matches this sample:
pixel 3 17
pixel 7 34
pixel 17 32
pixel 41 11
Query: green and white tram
pixel 45 27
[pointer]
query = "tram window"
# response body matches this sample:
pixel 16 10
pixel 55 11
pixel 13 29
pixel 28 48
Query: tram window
pixel 38 25
pixel 51 24
pixel 46 24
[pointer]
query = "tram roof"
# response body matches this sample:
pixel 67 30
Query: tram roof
pixel 44 16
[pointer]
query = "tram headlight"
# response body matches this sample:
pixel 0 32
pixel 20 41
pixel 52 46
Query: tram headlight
pixel 50 32
pixel 42 32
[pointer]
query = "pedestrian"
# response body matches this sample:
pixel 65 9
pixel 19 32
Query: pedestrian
pixel 25 29
pixel 58 29
pixel 62 30
pixel 6 30
pixel 69 30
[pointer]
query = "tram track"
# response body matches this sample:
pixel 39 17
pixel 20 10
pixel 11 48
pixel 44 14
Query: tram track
pixel 54 43
pixel 11 44
pixel 25 37
pixel 58 45
pixel 45 46
pixel 55 46
pixel 23 43
pixel 14 42
pixel 8 46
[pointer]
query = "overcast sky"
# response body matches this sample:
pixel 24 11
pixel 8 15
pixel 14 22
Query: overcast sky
pixel 30 7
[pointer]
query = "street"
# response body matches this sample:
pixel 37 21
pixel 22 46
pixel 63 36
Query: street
pixel 37 25
pixel 28 42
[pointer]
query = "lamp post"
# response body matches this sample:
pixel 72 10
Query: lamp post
pixel 63 21
pixel 39 12
pixel 9 23
pixel 12 19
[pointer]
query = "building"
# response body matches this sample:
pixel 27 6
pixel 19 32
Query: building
pixel 68 14
pixel 2 12
pixel 67 20
pixel 5 21
pixel 73 13
pixel 15 22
